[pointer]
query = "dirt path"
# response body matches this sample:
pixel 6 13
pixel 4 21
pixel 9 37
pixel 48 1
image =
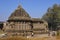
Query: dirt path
pixel 52 38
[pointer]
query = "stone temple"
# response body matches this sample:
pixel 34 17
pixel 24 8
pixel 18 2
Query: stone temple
pixel 20 23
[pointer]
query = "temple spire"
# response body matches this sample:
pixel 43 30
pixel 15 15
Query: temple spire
pixel 19 13
pixel 19 6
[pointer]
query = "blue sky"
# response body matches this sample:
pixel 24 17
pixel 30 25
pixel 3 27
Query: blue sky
pixel 35 8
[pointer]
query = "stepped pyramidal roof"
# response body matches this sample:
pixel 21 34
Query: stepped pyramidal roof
pixel 19 14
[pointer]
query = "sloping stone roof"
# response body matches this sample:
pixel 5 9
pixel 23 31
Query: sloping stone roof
pixel 36 19
pixel 19 13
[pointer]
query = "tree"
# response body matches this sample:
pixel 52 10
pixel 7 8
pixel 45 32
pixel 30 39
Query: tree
pixel 52 16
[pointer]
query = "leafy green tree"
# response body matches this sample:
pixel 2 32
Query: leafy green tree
pixel 52 16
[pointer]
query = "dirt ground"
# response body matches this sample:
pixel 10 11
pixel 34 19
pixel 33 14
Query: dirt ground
pixel 31 38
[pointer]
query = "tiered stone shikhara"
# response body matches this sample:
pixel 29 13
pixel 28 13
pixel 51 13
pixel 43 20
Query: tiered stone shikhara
pixel 20 23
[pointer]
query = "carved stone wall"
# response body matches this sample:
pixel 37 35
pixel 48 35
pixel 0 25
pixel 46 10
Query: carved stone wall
pixel 20 23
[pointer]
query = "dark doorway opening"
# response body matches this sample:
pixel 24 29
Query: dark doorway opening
pixel 1 26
